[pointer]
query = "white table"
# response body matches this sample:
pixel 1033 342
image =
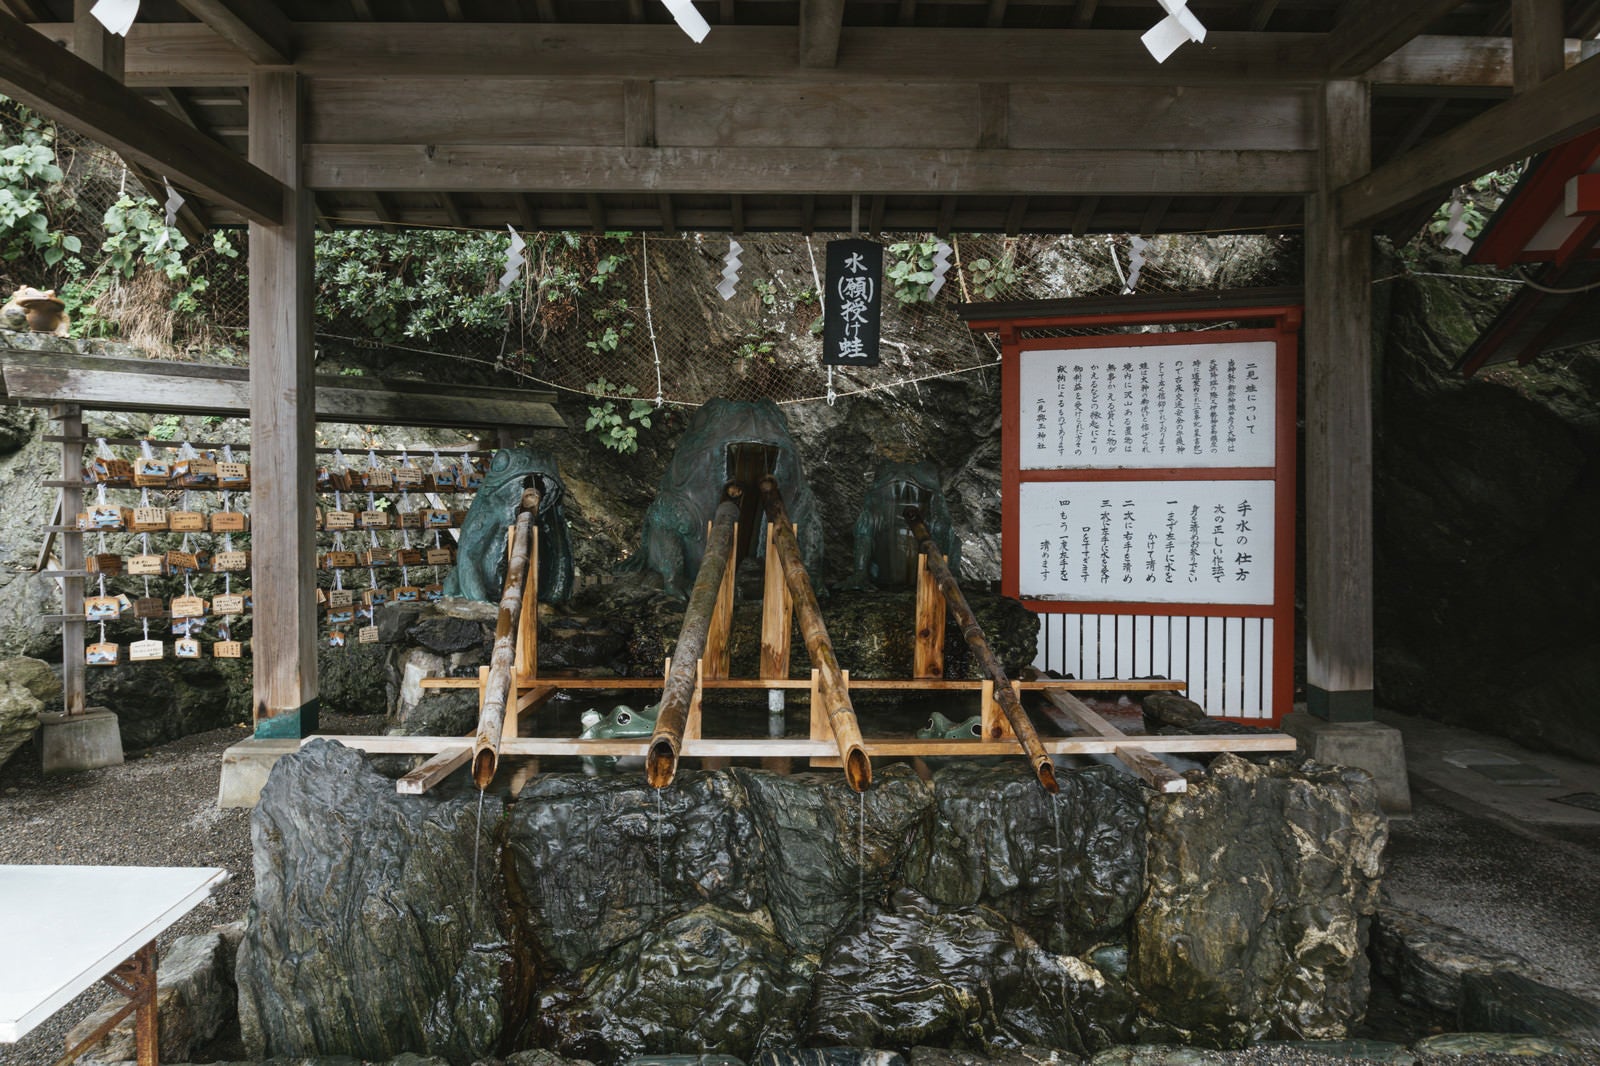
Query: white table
pixel 62 928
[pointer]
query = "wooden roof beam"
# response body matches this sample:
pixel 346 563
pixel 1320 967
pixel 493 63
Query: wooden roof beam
pixel 821 22
pixel 1371 30
pixel 1538 42
pixel 257 28
pixel 1544 116
pixel 56 83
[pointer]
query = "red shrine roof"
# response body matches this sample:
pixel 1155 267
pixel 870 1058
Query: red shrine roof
pixel 1552 217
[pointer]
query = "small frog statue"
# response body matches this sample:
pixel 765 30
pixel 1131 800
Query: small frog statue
pixel 622 723
pixel 941 728
pixel 39 310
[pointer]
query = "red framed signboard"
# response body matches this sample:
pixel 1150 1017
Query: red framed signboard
pixel 1148 498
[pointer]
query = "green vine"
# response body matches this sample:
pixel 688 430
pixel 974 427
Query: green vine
pixel 612 426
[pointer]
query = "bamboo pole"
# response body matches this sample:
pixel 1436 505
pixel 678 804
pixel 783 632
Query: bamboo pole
pixel 661 762
pixel 502 664
pixel 834 690
pixel 973 632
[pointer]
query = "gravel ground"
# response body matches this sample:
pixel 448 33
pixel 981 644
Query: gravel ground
pixel 1527 891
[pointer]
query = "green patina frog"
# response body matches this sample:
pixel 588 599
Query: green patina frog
pixel 941 728
pixel 623 722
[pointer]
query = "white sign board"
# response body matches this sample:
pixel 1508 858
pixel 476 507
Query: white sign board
pixel 1173 406
pixel 1147 541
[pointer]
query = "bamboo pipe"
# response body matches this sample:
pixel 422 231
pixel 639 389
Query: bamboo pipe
pixel 661 761
pixel 832 689
pixel 973 632
pixel 497 689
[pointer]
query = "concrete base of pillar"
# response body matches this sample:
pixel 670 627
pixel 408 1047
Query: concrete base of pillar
pixel 245 767
pixel 87 741
pixel 1371 746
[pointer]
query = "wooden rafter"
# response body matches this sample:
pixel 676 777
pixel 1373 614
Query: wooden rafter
pixel 1544 116
pixel 820 22
pixel 1371 30
pixel 257 28
pixel 382 210
pixel 54 82
pixel 1261 14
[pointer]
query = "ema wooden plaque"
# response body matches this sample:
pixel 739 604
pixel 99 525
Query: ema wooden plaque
pixel 229 522
pixel 407 475
pixel 439 556
pixel 147 565
pixel 367 635
pixel 188 607
pixel 146 650
pixel 178 561
pixel 341 616
pixel 102 654
pixel 227 649
pixel 335 638
pixel 227 604
pixel 103 563
pixel 434 518
pixel 379 478
pixel 408 557
pixel 186 521
pixel 433 593
pixel 338 560
pixel 111 471
pixel 186 648
pixel 377 557
pixel 195 473
pixel 149 607
pixel 341 597
pixel 410 519
pixel 376 520
pixel 101 608
pixel 338 520
pixel 149 519
pixel 230 561
pixel 108 517
pixel 233 475
pixel 374 597
pixel 151 473
pixel 407 594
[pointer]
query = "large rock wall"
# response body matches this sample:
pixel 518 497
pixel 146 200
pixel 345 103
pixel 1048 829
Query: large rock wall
pixel 740 911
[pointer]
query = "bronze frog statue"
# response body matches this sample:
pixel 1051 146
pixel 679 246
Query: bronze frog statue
pixel 885 551
pixel 479 573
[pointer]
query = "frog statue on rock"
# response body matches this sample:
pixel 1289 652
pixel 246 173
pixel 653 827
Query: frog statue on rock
pixel 623 723
pixel 725 440
pixel 885 551
pixel 479 573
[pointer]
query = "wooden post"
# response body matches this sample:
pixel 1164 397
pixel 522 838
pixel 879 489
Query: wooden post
pixel 527 665
pixel 1538 45
pixel 282 417
pixel 718 657
pixel 777 617
pixel 1338 386
pixel 928 654
pixel 73 629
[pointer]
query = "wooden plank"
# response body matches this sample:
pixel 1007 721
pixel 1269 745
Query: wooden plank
pixel 526 665
pixel 467 110
pixel 1369 30
pixel 1553 111
pixel 928 649
pixel 1338 434
pixel 64 87
pixel 820 24
pixel 192 54
pixel 777 617
pixel 1538 42
pixel 803 748
pixel 436 769
pixel 798 114
pixel 1109 684
pixel 718 657
pixel 1161 117
pixel 282 408
pixel 755 170
pixel 108 383
pixel 1155 773
pixel 257 28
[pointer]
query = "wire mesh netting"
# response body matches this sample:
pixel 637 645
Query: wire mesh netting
pixel 620 315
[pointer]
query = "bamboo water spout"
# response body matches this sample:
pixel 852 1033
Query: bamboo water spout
pixel 497 691
pixel 973 632
pixel 831 685
pixel 661 761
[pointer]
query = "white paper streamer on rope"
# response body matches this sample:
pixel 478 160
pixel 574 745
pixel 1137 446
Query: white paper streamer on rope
pixel 116 15
pixel 1178 28
pixel 514 259
pixel 174 204
pixel 941 267
pixel 730 270
pixel 1456 238
pixel 1136 247
pixel 689 20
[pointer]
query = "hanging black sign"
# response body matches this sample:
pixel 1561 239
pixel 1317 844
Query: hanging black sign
pixel 852 304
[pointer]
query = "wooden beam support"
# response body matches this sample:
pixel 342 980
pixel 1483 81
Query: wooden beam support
pixel 1338 435
pixel 1371 30
pixel 820 25
pixel 1261 14
pixel 510 168
pixel 597 213
pixel 282 423
pixel 257 28
pixel 73 629
pixel 1553 111
pixel 1015 213
pixel 58 84
pixel 1583 195
pixel 1538 37
pixel 527 211
pixel 669 221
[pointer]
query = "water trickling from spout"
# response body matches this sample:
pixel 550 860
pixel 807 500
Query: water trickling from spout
pixel 1061 883
pixel 477 839
pixel 861 853
pixel 661 879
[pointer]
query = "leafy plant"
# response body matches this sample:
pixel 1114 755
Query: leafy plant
pixel 991 277
pixel 166 428
pixel 911 275
pixel 615 428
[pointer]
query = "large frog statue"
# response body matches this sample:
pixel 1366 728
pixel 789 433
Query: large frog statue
pixel 725 440
pixel 623 722
pixel 884 548
pixel 479 573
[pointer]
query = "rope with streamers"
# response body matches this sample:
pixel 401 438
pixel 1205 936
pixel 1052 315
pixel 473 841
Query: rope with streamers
pixel 822 308
pixel 649 317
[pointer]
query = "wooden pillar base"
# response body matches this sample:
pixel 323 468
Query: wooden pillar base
pixel 1352 705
